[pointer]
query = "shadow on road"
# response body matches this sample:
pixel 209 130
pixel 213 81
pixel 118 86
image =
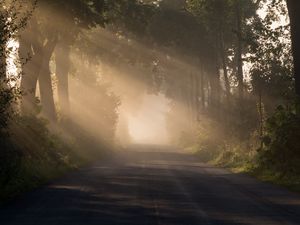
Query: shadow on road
pixel 154 185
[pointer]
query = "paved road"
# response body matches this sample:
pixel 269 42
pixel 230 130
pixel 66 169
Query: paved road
pixel 150 185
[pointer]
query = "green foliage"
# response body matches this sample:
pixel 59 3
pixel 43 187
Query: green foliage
pixel 271 59
pixel 281 150
pixel 130 17
pixel 31 153
pixel 20 144
pixel 177 29
pixel 216 144
pixel 13 17
pixel 28 162
pixel 266 48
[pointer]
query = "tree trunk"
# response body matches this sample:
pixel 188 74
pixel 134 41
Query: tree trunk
pixel 194 97
pixel 261 119
pixel 31 57
pixel 62 59
pixel 197 93
pixel 3 41
pixel 47 98
pixel 240 75
pixel 2 64
pixel 208 102
pixel 214 79
pixel 31 66
pixel 294 9
pixel 225 70
pixel 190 98
pixel 202 88
pixel 4 103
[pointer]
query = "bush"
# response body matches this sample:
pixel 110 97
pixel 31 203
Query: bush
pixel 30 155
pixel 210 140
pixel 216 143
pixel 281 149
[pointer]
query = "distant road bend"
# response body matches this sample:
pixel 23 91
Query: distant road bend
pixel 155 186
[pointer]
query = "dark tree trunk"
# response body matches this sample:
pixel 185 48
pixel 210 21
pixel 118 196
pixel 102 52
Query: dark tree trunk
pixel 197 93
pixel 193 89
pixel 294 9
pixel 45 82
pixel 214 80
pixel 62 59
pixel 3 40
pixel 261 118
pixel 3 100
pixel 202 88
pixel 2 63
pixel 240 75
pixel 225 70
pixel 189 97
pixel 208 101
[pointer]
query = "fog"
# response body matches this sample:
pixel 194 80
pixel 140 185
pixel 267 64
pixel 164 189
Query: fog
pixel 148 124
pixel 142 91
pixel 122 102
pixel 120 86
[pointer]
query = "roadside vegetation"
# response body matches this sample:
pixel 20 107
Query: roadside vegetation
pixel 34 147
pixel 250 123
pixel 273 158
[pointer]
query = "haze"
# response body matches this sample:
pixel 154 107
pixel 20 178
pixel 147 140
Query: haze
pixel 139 112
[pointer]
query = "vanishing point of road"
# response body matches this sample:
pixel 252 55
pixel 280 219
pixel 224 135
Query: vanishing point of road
pixel 154 186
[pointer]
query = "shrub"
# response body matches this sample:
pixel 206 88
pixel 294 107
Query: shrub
pixel 281 149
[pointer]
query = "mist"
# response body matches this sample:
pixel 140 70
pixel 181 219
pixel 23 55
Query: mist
pixel 129 111
pixel 131 81
pixel 148 125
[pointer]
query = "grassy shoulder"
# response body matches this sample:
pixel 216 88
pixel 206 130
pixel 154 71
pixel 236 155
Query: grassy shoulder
pixel 239 162
pixel 271 155
pixel 32 172
pixel 289 181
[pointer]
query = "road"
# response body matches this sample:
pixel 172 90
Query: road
pixel 154 186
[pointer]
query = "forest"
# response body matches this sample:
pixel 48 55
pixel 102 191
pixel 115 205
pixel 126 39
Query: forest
pixel 73 71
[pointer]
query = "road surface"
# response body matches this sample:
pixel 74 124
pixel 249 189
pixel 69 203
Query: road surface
pixel 154 186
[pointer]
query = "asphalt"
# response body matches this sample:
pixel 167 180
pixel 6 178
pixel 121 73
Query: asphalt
pixel 154 186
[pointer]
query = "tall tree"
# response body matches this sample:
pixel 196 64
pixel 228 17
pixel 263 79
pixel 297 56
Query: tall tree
pixel 3 41
pixel 294 9
pixel 40 40
pixel 239 50
pixel 13 17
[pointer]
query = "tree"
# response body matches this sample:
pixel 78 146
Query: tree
pixel 3 55
pixel 239 50
pixel 47 36
pixel 271 59
pixel 294 8
pixel 44 34
pixel 13 17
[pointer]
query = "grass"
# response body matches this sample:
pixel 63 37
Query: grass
pixel 238 163
pixel 33 172
pixel 289 181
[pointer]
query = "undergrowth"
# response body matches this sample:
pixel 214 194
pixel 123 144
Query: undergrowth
pixel 27 162
pixel 273 157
